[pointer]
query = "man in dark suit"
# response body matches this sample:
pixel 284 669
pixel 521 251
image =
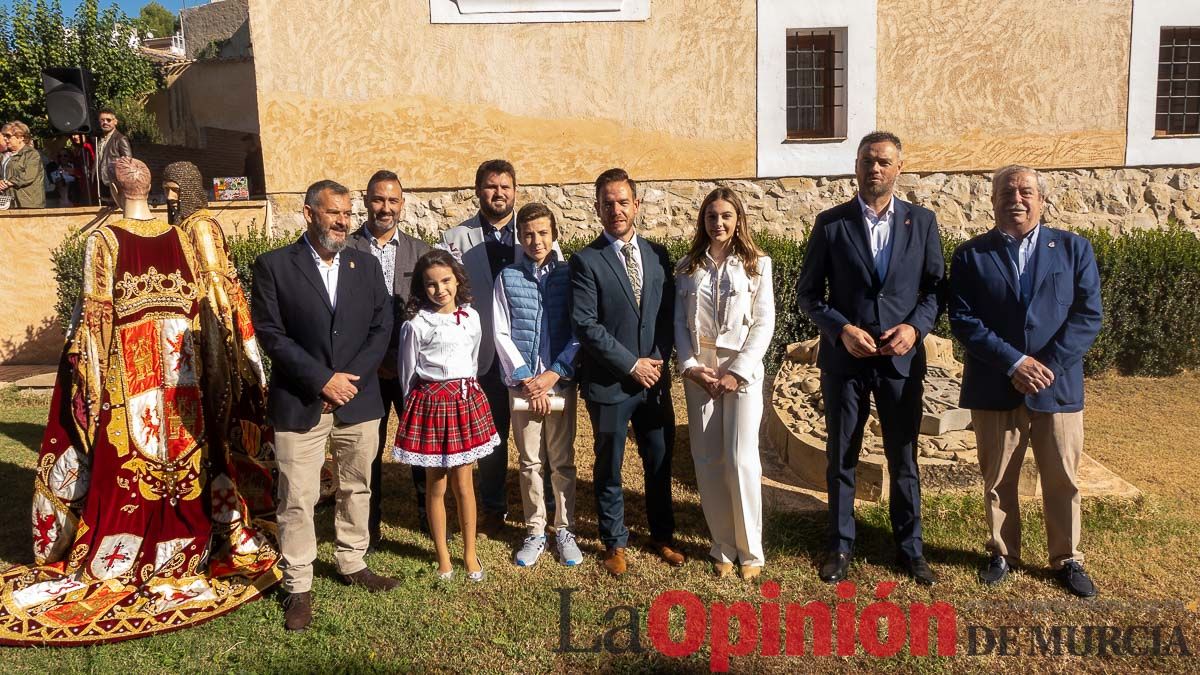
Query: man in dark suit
pixel 397 253
pixel 623 298
pixel 1025 304
pixel 324 318
pixel 881 260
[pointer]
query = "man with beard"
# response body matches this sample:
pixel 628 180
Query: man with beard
pixel 397 253
pixel 880 259
pixel 323 316
pixel 623 313
pixel 487 243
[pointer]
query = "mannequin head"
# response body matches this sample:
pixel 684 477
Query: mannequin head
pixel 184 188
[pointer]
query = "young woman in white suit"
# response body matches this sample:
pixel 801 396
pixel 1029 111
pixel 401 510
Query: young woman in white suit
pixel 724 320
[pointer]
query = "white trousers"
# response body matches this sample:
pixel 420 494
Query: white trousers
pixel 724 440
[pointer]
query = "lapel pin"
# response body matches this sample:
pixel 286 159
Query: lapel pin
pixel 352 262
pixel 1048 245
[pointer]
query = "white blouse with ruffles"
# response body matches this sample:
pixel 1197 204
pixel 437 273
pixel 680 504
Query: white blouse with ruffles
pixel 439 347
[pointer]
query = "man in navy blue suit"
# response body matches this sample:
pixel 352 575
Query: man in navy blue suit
pixel 870 282
pixel 1025 304
pixel 622 311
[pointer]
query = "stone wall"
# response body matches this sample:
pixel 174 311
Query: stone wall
pixel 1119 200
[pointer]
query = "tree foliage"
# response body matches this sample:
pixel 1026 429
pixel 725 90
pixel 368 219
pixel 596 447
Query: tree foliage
pixel 35 34
pixel 156 20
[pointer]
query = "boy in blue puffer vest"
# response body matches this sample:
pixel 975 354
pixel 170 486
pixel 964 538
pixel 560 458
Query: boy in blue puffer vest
pixel 532 322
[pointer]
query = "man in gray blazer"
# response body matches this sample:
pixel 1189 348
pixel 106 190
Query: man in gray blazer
pixel 397 253
pixel 487 243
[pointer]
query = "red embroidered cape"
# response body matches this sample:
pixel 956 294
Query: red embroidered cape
pixel 153 493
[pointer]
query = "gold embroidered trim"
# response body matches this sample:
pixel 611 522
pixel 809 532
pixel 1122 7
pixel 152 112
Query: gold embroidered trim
pixel 143 228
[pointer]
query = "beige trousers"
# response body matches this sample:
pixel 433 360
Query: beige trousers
pixel 1057 441
pixel 547 443
pixel 300 456
pixel 724 439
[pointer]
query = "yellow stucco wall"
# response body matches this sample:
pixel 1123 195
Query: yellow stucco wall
pixel 976 85
pixel 348 86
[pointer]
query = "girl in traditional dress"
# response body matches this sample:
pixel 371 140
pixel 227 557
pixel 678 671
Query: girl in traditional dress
pixel 446 424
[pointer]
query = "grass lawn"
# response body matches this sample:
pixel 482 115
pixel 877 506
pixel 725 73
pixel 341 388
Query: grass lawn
pixel 1142 556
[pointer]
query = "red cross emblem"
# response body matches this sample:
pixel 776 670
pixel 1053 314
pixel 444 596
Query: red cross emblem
pixel 116 556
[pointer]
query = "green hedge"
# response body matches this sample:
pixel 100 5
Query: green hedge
pixel 1150 288
pixel 1150 285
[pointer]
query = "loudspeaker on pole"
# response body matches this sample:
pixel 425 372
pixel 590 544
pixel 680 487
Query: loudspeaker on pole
pixel 69 99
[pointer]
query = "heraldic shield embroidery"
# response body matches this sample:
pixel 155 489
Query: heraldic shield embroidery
pixel 153 497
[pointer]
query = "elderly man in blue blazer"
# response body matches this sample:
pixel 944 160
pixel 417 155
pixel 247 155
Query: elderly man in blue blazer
pixel 880 259
pixel 1025 304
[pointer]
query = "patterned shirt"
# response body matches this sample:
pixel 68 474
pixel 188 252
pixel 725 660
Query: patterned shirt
pixel 385 254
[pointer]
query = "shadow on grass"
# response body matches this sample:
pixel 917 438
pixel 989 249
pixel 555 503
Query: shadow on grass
pixel 16 537
pixel 806 535
pixel 27 434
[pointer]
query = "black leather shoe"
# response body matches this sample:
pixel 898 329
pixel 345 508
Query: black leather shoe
pixel 836 566
pixel 996 571
pixel 1075 580
pixel 918 570
pixel 297 611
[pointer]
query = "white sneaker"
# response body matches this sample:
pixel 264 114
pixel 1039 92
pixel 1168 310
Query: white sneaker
pixel 568 551
pixel 531 550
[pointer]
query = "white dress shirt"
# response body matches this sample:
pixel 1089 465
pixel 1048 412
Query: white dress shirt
pixel 506 349
pixel 438 347
pixel 328 271
pixel 879 233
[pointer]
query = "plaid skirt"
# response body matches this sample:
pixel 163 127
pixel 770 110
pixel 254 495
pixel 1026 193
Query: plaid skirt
pixel 445 424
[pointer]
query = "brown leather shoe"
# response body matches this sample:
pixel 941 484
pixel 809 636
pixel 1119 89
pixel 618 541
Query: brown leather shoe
pixel 614 561
pixel 297 611
pixel 748 572
pixel 669 555
pixel 370 581
pixel 491 525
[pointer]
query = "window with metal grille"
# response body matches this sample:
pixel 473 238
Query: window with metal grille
pixel 1178 109
pixel 815 84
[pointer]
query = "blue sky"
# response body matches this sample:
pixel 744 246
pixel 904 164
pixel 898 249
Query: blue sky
pixel 130 7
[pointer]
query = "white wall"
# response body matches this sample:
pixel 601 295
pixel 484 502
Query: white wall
pixel 778 156
pixel 1141 147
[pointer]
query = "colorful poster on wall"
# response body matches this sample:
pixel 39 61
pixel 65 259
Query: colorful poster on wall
pixel 231 188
